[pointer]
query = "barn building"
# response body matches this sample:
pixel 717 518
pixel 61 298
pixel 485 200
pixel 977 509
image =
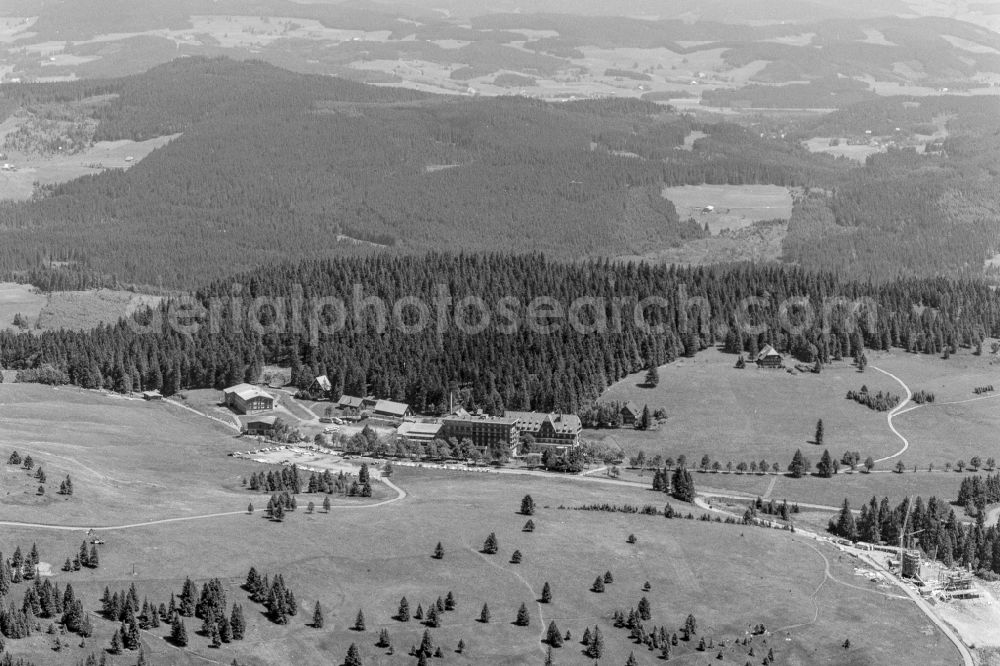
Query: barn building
pixel 630 413
pixel 769 358
pixel 247 399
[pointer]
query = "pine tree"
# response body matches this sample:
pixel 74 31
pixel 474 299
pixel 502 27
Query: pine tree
pixel 818 440
pixel 318 616
pixel 353 657
pixel 825 466
pixel 598 585
pixel 799 466
pixel 515 557
pixel 449 601
pixel 631 659
pixel 846 526
pixel 116 643
pixel 491 545
pixel 438 551
pixel 237 623
pixel 527 506
pixel 546 593
pixel 484 615
pixel 403 614
pixel 359 621
pixel 461 646
pixel 523 619
pixel 178 632
pixel 652 376
pixel 595 649
pixel 645 420
pixel 553 636
pixel 643 609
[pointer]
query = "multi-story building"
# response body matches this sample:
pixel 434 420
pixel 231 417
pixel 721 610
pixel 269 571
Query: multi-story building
pixel 485 432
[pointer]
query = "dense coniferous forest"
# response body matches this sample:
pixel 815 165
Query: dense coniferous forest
pixel 937 532
pixel 508 365
pixel 273 165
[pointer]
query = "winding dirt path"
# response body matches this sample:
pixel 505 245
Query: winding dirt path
pixel 898 409
pixel 400 494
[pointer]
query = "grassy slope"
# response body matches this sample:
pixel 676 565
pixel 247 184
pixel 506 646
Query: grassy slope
pixel 752 414
pixel 369 558
pixel 130 461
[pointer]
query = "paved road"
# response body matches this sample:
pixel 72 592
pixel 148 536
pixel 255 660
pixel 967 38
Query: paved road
pixel 895 411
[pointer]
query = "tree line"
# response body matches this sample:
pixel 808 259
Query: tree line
pixel 563 370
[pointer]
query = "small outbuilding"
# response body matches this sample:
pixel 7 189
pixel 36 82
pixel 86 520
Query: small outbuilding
pixel 261 426
pixel 152 395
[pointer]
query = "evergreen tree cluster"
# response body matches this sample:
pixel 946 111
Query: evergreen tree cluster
pixel 880 402
pixel 563 370
pixel 285 479
pixel 921 397
pixel 938 532
pixel 975 492
pixel 18 568
pixel 682 485
pixel 278 599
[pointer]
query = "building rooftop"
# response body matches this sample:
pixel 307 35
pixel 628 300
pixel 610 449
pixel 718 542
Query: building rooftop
pixel 248 391
pixel 390 407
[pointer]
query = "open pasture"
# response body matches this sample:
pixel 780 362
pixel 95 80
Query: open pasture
pixel 856 487
pixel 130 461
pixel 81 310
pixel 733 206
pixel 49 170
pixel 751 414
pixel 858 152
pixel 366 559
pixel 20 299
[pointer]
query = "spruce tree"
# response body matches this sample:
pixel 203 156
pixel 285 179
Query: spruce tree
pixel 553 636
pixel 846 526
pixel 546 593
pixel 178 632
pixel 318 616
pixel 527 506
pixel 438 551
pixel 652 376
pixel 353 657
pixel 491 545
pixel 598 585
pixel 799 466
pixel 825 466
pixel 523 619
pixel 484 615
pixel 818 440
pixel 359 621
pixel 403 614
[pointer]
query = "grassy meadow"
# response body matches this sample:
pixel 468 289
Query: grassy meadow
pixel 743 415
pixel 368 558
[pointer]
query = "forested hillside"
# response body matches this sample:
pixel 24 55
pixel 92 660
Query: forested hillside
pixel 272 165
pixel 903 212
pixel 508 363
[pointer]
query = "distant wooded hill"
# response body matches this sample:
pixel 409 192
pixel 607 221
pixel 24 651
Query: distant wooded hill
pixel 273 165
